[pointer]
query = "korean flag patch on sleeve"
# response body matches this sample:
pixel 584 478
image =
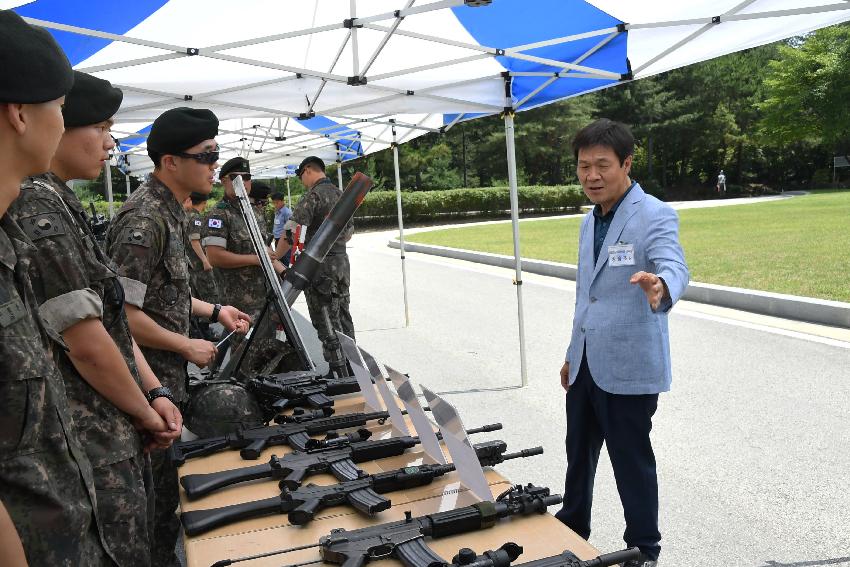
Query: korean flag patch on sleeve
pixel 214 223
pixel 197 222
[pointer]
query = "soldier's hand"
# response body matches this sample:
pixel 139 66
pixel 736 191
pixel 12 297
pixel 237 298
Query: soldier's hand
pixel 149 425
pixel 207 267
pixel 199 351
pixel 565 376
pixel 279 268
pixel 233 319
pixel 172 416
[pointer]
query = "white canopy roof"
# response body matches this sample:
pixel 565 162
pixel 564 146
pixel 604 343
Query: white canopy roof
pixel 328 77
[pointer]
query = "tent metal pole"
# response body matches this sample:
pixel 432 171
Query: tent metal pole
pixel 107 179
pixel 127 181
pixel 400 230
pixel 511 149
pixel 288 194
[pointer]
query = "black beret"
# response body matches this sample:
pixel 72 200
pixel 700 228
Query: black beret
pixel 35 69
pixel 260 191
pixel 198 197
pixel 176 130
pixel 237 164
pixel 277 196
pixel 307 161
pixel 90 101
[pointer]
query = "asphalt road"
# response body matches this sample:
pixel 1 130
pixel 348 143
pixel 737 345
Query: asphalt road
pixel 752 441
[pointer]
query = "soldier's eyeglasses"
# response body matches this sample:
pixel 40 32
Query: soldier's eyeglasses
pixel 206 158
pixel 244 176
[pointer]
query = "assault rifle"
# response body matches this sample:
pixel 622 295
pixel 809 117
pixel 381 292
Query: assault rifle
pixel 364 494
pixel 274 394
pixel 404 539
pixel 98 223
pixel 339 456
pixel 253 440
pixel 509 552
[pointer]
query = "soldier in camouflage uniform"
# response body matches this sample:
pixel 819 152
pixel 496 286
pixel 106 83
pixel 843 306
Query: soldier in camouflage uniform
pixel 45 478
pixel 147 240
pixel 229 246
pixel 201 278
pixel 259 200
pixel 80 297
pixel 328 293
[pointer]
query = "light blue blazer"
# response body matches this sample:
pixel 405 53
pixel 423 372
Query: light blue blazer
pixel 627 343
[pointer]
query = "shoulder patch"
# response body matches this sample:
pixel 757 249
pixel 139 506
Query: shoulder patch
pixel 43 225
pixel 137 236
pixel 197 222
pixel 214 223
pixel 221 204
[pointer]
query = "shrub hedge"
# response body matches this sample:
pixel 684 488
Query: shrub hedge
pixel 380 206
pixel 423 205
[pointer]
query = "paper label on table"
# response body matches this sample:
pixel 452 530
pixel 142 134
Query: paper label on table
pixel 361 373
pixel 457 442
pixel 427 437
pixel 376 369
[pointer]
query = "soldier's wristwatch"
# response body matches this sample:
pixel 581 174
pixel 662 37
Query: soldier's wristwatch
pixel 214 315
pixel 161 392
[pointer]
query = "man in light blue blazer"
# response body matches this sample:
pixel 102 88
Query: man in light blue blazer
pixel 631 271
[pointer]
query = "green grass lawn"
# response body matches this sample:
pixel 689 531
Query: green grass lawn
pixel 799 246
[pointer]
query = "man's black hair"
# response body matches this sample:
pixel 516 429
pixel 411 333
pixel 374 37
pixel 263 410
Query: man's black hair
pixel 606 133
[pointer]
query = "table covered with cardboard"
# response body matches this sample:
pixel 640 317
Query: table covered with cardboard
pixel 540 535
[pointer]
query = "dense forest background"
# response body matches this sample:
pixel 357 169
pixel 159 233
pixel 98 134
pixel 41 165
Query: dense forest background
pixel 771 117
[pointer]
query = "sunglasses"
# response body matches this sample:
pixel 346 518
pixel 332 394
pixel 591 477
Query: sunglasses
pixel 244 176
pixel 206 158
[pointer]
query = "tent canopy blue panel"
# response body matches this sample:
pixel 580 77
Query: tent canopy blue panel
pixel 102 15
pixel 508 23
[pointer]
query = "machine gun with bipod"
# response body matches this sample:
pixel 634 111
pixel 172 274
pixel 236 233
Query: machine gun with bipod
pixel 509 552
pixel 338 456
pixel 364 494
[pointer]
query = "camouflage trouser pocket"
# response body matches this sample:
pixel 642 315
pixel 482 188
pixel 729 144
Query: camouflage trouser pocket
pixel 23 415
pixel 122 510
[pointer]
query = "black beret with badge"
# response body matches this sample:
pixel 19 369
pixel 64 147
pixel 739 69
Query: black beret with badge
pixel 34 67
pixel 235 165
pixel 90 101
pixel 176 130
pixel 314 160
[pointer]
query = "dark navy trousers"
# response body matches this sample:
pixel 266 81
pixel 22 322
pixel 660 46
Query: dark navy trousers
pixel 623 423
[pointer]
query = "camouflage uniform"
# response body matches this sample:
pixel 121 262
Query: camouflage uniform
pixel 45 478
pixel 262 221
pixel 202 283
pixel 330 287
pixel 244 287
pixel 147 241
pixel 73 282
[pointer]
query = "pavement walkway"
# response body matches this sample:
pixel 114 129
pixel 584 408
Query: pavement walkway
pixel 751 442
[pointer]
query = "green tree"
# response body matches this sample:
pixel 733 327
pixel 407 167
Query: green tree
pixel 808 89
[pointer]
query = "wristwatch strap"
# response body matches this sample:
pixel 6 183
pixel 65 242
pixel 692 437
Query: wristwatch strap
pixel 214 315
pixel 161 392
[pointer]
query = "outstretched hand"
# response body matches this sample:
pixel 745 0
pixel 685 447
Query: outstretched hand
pixel 653 286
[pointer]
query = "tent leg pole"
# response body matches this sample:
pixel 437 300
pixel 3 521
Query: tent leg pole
pixel 107 179
pixel 288 194
pixel 339 174
pixel 400 231
pixel 127 181
pixel 509 142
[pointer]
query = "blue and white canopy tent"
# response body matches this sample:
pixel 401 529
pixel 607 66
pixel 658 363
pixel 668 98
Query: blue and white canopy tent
pixel 342 79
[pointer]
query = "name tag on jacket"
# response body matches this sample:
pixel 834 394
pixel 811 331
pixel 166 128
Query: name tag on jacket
pixel 621 254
